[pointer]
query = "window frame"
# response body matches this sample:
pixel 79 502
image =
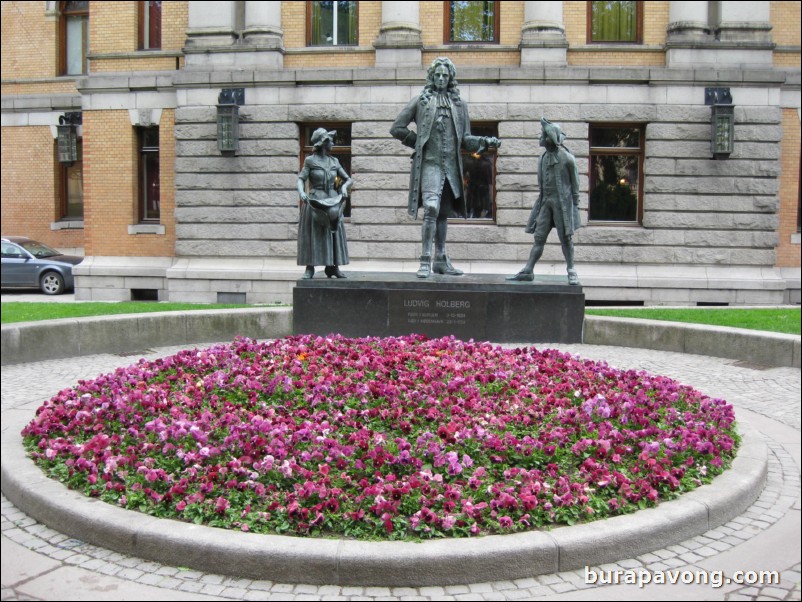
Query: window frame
pixel 338 151
pixel 63 171
pixel 447 32
pixel 607 151
pixel 146 23
pixel 639 7
pixel 145 152
pixel 66 14
pixel 309 16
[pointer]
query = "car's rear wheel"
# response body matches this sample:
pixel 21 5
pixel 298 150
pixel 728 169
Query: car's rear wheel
pixel 52 283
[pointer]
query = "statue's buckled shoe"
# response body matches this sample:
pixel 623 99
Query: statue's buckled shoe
pixel 425 266
pixel 572 277
pixel 522 276
pixel 442 265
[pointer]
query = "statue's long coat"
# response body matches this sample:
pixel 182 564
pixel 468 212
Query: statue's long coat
pixel 568 188
pixel 424 117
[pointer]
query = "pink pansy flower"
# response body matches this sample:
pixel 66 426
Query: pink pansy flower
pixel 396 437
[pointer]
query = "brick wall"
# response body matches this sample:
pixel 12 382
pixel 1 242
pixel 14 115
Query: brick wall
pixel 32 54
pixel 786 33
pixel 475 58
pixel 110 186
pixel 787 253
pixel 113 27
pixel 29 199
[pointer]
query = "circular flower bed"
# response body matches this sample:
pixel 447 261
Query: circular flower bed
pixel 381 438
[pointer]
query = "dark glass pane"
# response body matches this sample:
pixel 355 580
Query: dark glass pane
pixel 473 21
pixel 74 187
pixel 150 138
pixel 151 182
pixel 615 137
pixel 76 7
pixel 613 188
pixel 154 24
pixel 341 138
pixel 346 23
pixel 322 23
pixel 479 177
pixel 480 171
pixel 614 22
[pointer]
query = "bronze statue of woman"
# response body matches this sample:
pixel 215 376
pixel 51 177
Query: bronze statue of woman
pixel 321 230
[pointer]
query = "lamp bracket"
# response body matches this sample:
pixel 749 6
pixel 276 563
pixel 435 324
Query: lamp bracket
pixel 232 96
pixel 718 96
pixel 71 118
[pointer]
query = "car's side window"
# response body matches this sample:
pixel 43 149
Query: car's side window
pixel 9 250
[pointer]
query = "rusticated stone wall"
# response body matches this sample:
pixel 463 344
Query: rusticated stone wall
pixel 697 211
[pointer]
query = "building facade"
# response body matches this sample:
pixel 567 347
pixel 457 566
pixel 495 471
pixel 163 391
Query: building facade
pixel 163 139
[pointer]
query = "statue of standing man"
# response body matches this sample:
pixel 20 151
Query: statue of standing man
pixel 557 204
pixel 435 183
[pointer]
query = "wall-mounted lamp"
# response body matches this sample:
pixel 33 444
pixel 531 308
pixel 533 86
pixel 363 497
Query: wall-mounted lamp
pixel 723 121
pixel 67 129
pixel 228 104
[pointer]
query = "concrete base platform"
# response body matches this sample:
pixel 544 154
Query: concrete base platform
pixel 481 306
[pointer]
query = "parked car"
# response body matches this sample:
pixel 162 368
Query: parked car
pixel 29 263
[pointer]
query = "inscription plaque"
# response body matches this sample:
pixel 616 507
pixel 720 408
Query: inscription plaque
pixel 479 306
pixel 438 313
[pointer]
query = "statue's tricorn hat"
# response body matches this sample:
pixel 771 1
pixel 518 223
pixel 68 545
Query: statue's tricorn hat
pixel 552 131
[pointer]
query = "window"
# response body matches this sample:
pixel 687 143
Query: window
pixel 479 177
pixel 615 22
pixel 150 25
pixel 71 188
pixel 472 22
pixel 74 38
pixel 341 150
pixel 332 23
pixel 616 173
pixel 149 205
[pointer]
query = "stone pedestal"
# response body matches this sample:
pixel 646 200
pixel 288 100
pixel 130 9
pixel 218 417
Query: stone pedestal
pixel 480 307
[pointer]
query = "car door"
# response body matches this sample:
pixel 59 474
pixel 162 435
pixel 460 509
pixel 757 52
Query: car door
pixel 18 266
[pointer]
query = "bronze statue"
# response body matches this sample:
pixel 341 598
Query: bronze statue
pixel 435 183
pixel 321 230
pixel 557 204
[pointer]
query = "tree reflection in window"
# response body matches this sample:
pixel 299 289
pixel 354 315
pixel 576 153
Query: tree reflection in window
pixel 614 22
pixel 616 167
pixel 472 21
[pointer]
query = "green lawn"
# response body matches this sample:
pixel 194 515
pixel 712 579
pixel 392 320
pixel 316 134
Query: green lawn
pixel 786 320
pixel 18 311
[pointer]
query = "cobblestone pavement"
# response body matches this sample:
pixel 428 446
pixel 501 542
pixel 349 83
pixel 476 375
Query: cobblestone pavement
pixel 39 563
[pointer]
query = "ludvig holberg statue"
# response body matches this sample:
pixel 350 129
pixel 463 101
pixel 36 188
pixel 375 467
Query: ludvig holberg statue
pixel 443 129
pixel 557 205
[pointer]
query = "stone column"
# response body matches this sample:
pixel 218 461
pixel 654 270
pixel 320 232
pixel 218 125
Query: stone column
pixel 744 23
pixel 263 32
pixel 211 24
pixel 725 35
pixel 400 43
pixel 688 22
pixel 543 38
